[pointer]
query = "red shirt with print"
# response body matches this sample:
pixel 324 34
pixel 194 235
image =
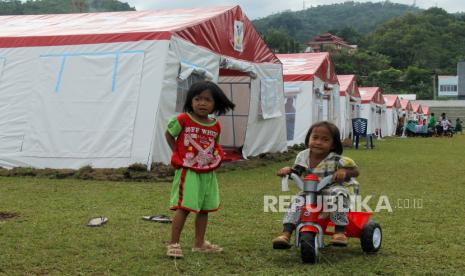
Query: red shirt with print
pixel 196 145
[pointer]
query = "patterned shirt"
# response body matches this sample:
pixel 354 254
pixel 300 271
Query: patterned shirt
pixel 327 166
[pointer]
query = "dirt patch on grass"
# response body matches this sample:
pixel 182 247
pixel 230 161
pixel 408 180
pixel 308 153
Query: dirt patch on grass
pixel 7 215
pixel 139 172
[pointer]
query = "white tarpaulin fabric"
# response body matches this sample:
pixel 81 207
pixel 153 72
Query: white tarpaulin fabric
pixel 391 119
pixel 345 115
pixel 93 119
pixel 291 90
pixel 270 98
pixel 265 135
pixel 71 106
pixel 368 111
pixel 233 64
pixel 188 68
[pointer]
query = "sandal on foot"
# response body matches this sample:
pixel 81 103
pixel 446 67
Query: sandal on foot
pixel 281 242
pixel 174 251
pixel 208 248
pixel 339 239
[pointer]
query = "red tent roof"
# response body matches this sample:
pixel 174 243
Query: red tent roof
pixel 348 84
pixel 212 28
pixel 371 95
pixel 392 101
pixel 304 66
pixel 417 108
pixel 425 109
pixel 406 105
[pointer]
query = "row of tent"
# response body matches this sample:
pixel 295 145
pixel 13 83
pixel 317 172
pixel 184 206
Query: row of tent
pixel 313 92
pixel 98 89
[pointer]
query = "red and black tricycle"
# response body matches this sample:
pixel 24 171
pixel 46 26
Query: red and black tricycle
pixel 312 226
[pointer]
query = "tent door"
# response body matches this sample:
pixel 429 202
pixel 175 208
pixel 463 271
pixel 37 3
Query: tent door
pixel 234 123
pixel 290 110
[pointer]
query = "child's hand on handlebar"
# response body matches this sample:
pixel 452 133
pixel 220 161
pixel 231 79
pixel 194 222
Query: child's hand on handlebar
pixel 284 171
pixel 340 175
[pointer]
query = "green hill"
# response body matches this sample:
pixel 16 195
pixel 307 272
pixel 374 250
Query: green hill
pixel 304 25
pixel 433 39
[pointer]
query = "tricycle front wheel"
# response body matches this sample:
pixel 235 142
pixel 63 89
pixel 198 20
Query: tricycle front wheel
pixel 308 247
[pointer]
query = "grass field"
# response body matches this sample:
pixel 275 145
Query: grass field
pixel 49 237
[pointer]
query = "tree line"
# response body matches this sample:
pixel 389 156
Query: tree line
pixel 16 7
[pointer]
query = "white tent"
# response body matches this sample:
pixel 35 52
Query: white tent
pixel 426 113
pixel 372 107
pixel 350 102
pixel 407 109
pixel 98 89
pixel 417 111
pixel 393 110
pixel 312 93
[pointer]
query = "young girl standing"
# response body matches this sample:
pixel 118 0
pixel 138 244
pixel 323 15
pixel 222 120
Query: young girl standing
pixel 323 157
pixel 193 137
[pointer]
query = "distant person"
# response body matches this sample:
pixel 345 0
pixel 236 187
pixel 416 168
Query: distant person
pixel 446 125
pixel 432 123
pixel 401 124
pixel 458 126
pixel 438 129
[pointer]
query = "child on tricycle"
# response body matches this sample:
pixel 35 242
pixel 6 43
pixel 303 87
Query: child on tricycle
pixel 330 175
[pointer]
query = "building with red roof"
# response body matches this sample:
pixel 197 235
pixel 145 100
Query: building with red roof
pixel 327 42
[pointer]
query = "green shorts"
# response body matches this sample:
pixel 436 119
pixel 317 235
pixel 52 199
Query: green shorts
pixel 194 192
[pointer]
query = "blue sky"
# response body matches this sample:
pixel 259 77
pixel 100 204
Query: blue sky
pixel 261 8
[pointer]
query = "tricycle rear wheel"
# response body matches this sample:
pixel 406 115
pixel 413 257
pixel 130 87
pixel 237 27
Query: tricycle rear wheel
pixel 371 237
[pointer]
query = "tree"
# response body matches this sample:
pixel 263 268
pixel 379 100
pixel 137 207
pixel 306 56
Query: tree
pixel 419 81
pixel 362 63
pixel 349 34
pixel 280 41
pixel 389 80
pixel 8 7
pixel 433 39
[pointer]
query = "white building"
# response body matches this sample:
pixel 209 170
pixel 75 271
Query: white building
pixel 448 86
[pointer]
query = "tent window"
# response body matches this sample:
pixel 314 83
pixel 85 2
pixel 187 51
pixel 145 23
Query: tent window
pixel 183 87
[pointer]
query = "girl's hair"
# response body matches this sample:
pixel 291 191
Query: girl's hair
pixel 337 144
pixel 222 103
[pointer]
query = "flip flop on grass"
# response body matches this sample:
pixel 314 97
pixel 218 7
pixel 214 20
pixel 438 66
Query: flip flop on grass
pixel 95 222
pixel 158 218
